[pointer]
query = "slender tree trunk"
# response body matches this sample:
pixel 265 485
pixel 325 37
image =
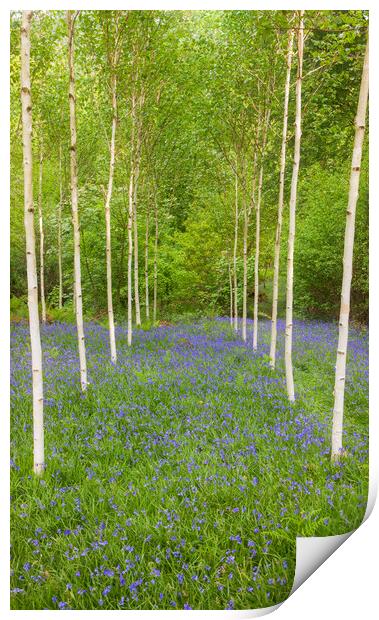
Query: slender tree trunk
pixel 258 232
pixel 41 236
pixel 130 255
pixel 136 258
pixel 231 294
pixel 147 265
pixel 292 219
pixel 246 212
pixel 155 292
pixel 275 285
pixel 235 255
pixel 130 223
pixel 120 269
pixel 31 265
pixel 135 220
pixel 339 384
pixel 74 204
pixel 112 338
pixel 60 276
pixel 244 290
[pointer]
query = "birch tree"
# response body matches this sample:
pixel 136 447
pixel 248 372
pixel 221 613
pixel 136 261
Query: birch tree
pixel 147 223
pixel 247 214
pixel 74 204
pixel 275 284
pixel 236 217
pixel 343 329
pixel 113 61
pixel 231 293
pixel 258 230
pixel 244 284
pixel 292 218
pixel 59 240
pixel 156 236
pixel 41 235
pixel 135 194
pixel 130 218
pixel 31 266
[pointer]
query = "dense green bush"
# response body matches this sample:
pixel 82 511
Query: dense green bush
pixel 320 240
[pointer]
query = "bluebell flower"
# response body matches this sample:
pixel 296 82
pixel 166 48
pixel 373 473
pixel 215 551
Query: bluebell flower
pixel 108 572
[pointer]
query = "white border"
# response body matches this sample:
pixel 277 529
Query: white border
pixel 346 586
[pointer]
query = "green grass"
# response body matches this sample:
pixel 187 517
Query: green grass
pixel 183 472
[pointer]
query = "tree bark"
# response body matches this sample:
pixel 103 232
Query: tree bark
pixel 136 254
pixel 112 338
pixel 235 254
pixel 74 205
pixel 231 294
pixel 136 180
pixel 275 285
pixel 247 212
pixel 60 275
pixel 31 265
pixel 244 290
pixel 292 219
pixel 155 292
pixel 258 232
pixel 130 222
pixel 147 311
pixel 41 235
pixel 343 330
pixel 120 267
pixel 136 260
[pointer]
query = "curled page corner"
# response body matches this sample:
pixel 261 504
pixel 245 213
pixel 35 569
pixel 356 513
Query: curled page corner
pixel 247 613
pixel 372 494
pixel 311 552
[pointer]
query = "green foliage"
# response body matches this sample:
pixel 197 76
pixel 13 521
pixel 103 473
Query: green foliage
pixel 319 244
pixel 18 308
pixel 62 315
pixel 205 76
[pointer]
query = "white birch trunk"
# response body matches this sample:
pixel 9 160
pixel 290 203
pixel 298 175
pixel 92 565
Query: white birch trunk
pixel 130 224
pixel 231 294
pixel 256 258
pixel 60 275
pixel 135 220
pixel 339 385
pixel 136 259
pixel 155 292
pixel 147 311
pixel 74 206
pixel 235 255
pixel 130 256
pixel 292 220
pixel 275 285
pixel 112 338
pixel 246 213
pixel 258 233
pixel 41 236
pixel 244 290
pixel 31 266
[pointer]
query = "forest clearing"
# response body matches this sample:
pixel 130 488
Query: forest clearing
pixel 189 302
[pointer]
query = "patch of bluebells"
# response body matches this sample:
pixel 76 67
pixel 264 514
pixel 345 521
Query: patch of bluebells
pixel 187 444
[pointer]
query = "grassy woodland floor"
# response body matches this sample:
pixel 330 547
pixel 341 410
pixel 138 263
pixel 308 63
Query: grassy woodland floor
pixel 183 476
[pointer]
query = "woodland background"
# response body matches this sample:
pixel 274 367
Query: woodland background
pixel 197 75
